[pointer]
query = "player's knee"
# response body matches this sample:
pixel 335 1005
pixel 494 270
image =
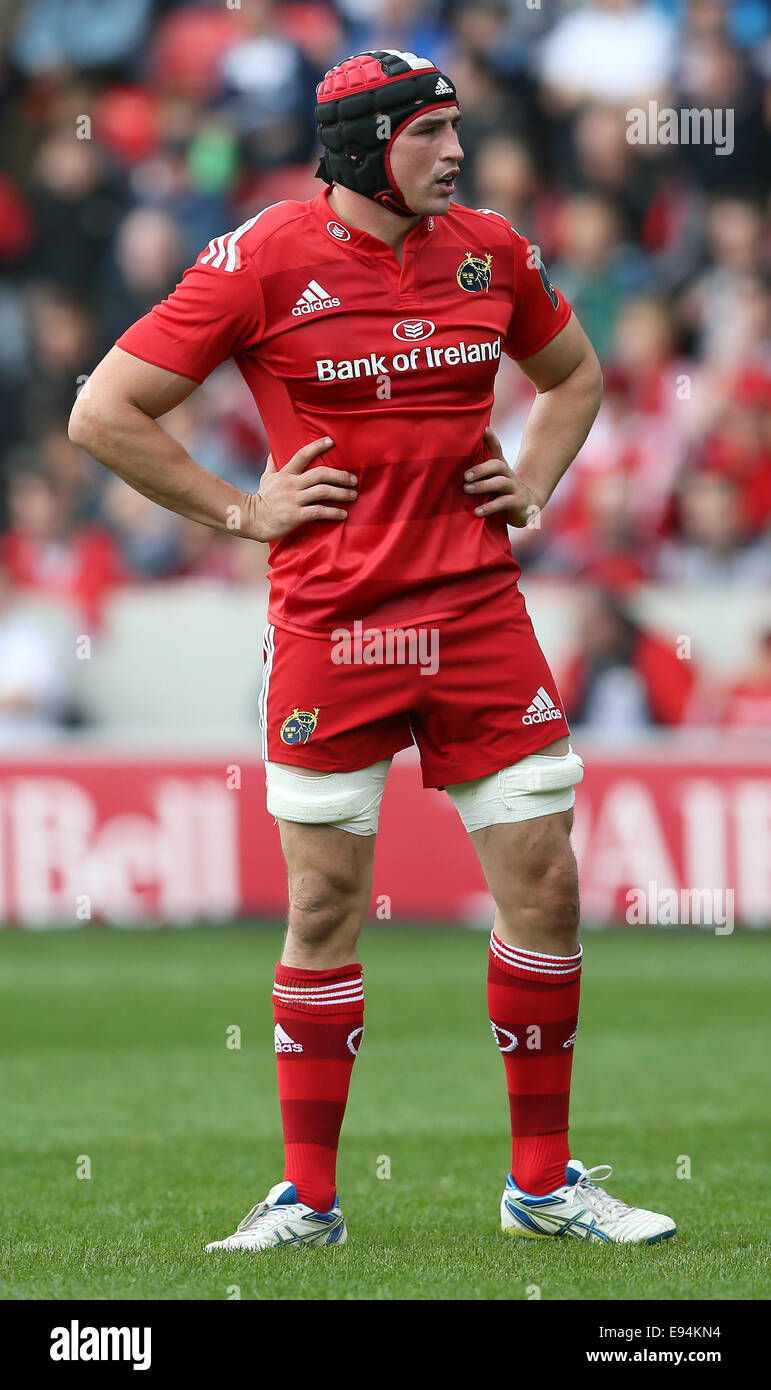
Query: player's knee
pixel 325 902
pixel 555 892
pixel 544 886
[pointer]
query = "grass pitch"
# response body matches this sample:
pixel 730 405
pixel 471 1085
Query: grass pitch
pixel 115 1049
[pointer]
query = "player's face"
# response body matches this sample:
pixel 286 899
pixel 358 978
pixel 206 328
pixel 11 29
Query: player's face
pixel 425 157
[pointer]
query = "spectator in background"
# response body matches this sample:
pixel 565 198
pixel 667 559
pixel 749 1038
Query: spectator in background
pixel 505 179
pixel 713 546
pixel 61 331
pixel 589 269
pixel 492 107
pixel 644 349
pixel 147 264
pixel 77 480
pixel 75 204
pixel 658 383
pixel 622 678
pixel 598 542
pixel 719 305
pixel 714 75
pixel 61 34
pixel 32 697
pixel 46 551
pixel 602 161
pixel 731 428
pixel 739 442
pixel 411 25
pixel 146 534
pixel 608 50
pixel 266 77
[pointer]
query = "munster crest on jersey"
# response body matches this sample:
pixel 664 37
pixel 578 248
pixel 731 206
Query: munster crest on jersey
pixel 475 273
pixel 299 726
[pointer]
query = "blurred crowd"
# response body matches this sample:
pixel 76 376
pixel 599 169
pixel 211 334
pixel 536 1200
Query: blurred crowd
pixel 133 133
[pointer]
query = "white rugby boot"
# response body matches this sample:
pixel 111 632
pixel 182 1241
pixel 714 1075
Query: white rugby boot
pixel 581 1209
pixel 282 1220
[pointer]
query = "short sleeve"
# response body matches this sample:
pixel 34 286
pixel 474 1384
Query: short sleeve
pixel 539 312
pixel 215 312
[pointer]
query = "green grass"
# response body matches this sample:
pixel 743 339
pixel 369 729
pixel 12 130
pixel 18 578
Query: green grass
pixel 114 1047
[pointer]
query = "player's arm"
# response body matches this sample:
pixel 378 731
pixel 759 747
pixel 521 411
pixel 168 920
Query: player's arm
pixel 115 420
pixel 568 381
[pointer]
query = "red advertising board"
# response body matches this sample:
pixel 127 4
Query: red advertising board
pixel 90 835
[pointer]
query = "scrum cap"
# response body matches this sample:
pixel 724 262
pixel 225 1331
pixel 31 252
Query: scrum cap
pixel 361 105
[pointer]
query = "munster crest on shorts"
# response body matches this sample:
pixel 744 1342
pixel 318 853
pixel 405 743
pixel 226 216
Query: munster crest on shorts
pixel 475 273
pixel 299 726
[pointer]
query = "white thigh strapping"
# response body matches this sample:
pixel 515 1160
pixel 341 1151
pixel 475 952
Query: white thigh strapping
pixel 537 785
pixel 347 800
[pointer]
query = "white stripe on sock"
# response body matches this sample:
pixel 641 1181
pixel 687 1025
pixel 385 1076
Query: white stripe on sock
pixel 287 998
pixel 534 961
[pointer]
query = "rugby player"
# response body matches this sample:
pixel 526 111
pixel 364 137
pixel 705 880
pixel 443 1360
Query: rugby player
pixel 369 323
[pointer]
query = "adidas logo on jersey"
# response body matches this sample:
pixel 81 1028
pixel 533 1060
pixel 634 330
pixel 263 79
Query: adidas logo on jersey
pixel 442 88
pixel 313 298
pixel 542 709
pixel 282 1041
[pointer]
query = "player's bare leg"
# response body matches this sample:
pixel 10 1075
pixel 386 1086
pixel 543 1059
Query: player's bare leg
pixel 535 967
pixel 318 1010
pixel 531 872
pixel 533 993
pixel 330 885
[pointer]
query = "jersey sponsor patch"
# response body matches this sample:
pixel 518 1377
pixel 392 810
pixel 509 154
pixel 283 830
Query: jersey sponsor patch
pixel 417 359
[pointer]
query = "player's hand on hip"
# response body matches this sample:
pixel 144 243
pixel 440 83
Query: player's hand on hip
pixel 510 494
pixel 298 493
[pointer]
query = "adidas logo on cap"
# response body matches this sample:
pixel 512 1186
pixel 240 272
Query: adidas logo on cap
pixel 542 709
pixel 313 298
pixel 442 88
pixel 282 1041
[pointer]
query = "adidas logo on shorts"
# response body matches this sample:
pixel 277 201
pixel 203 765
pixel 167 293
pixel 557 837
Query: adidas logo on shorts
pixel 282 1041
pixel 442 88
pixel 313 298
pixel 542 709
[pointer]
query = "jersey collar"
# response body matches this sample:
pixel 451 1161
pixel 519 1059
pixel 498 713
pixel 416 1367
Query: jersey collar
pixel 344 234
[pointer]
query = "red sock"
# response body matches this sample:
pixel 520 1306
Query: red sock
pixel 319 1018
pixel 533 1001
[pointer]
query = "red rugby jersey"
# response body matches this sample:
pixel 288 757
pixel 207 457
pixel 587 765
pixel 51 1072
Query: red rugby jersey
pixel 396 363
